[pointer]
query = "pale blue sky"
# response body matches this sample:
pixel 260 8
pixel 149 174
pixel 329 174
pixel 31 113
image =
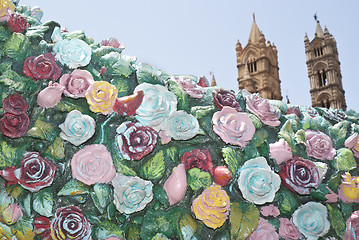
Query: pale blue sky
pixel 197 36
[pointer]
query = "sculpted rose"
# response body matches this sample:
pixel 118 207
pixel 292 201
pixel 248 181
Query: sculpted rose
pixel 264 230
pixel 280 151
pixel 287 230
pixel 135 140
pixel 349 188
pixel 5 6
pixel 257 181
pixel 311 219
pixel 93 164
pixel 15 104
pixel 197 158
pixel 101 96
pixel 42 67
pixel 17 23
pixel 157 104
pixel 233 127
pixel 77 128
pixel 189 86
pixel 212 206
pixel 352 228
pixel 35 172
pixel 352 143
pixel 50 96
pixel 73 53
pixel 180 126
pixel 131 194
pixel 319 145
pixel 14 126
pixel 77 83
pixel 263 110
pixel 299 175
pixel 223 98
pixel 11 214
pixel 70 223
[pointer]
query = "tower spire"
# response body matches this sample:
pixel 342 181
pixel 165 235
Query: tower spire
pixel 254 35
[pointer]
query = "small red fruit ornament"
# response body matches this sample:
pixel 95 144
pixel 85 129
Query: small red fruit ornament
pixel 222 175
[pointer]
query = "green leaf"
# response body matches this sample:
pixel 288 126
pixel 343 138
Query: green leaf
pixel 334 182
pixel 185 225
pixel 133 232
pixel 101 196
pixel 43 202
pixel 17 47
pixel 42 130
pixel 154 168
pixel 56 150
pixel 73 188
pixel 67 105
pixel 122 68
pixel 344 160
pixel 171 154
pixel 121 166
pixel 202 111
pixel 255 120
pixel 154 222
pixel 147 74
pixel 36 31
pixel 300 136
pixel 337 220
pixel 260 136
pixel 182 97
pixel 10 156
pixel 23 230
pixel 197 179
pixel 108 229
pixel 160 195
pixel 27 205
pixel 319 194
pixel 251 152
pixel 243 219
pixel 4 33
pixel 233 158
pixel 338 133
pixel 286 132
pixel 287 203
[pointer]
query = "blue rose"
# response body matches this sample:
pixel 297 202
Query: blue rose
pixel 312 220
pixel 181 126
pixel 131 194
pixel 74 53
pixel 257 182
pixel 157 105
pixel 77 128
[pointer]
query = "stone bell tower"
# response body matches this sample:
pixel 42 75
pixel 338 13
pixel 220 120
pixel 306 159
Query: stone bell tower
pixel 323 65
pixel 257 65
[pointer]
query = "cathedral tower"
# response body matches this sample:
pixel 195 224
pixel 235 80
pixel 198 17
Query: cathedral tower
pixel 257 65
pixel 323 65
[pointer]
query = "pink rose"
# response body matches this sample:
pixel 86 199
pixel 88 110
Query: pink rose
pixel 113 42
pixel 50 96
pixel 352 143
pixel 280 151
pixel 263 110
pixel 76 83
pixel 287 230
pixel 233 127
pixel 352 230
pixel 11 214
pixel 264 230
pixel 190 87
pixel 270 210
pixel 93 164
pixel 319 145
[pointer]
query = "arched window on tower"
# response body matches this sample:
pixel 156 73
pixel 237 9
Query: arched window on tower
pixel 252 65
pixel 325 103
pixel 322 78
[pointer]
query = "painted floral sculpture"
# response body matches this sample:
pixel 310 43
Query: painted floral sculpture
pixel 96 146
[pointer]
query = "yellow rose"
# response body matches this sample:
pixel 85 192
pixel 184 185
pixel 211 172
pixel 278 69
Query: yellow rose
pixel 6 5
pixel 212 206
pixel 349 189
pixel 101 97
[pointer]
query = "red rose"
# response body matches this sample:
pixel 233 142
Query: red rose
pixel 223 98
pixel 42 67
pixel 70 223
pixel 35 172
pixel 15 104
pixel 293 110
pixel 17 23
pixel 299 175
pixel 135 140
pixel 14 126
pixel 198 158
